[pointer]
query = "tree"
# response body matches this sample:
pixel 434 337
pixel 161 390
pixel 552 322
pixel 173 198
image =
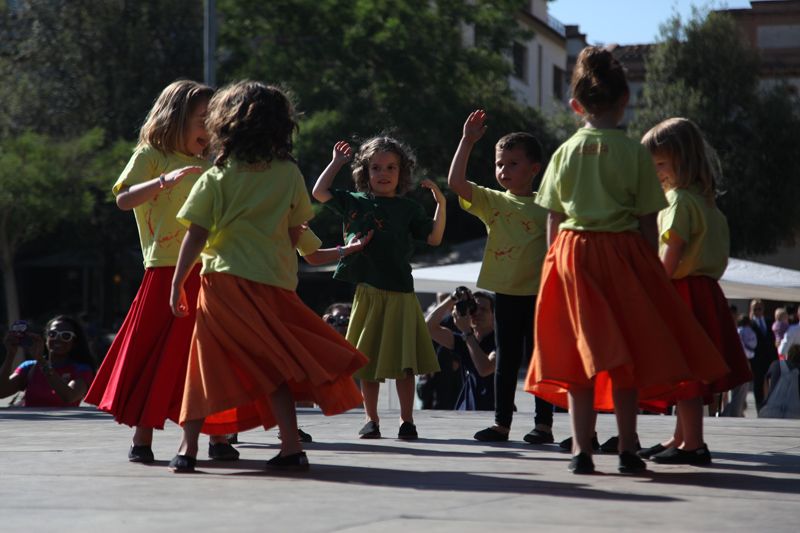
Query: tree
pixel 359 68
pixel 704 70
pixel 41 186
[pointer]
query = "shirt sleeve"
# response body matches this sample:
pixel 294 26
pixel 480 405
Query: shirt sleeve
pixel 142 166
pixel 479 206
pixel 308 243
pixel 548 195
pixel 650 196
pixel 676 218
pixel 200 207
pixel 420 225
pixel 300 210
pixel 792 336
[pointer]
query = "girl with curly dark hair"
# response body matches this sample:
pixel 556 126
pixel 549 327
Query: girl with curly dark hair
pixel 256 348
pixel 386 322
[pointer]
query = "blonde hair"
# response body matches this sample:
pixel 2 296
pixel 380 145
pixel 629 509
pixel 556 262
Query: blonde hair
pixel 692 158
pixel 781 313
pixel 165 125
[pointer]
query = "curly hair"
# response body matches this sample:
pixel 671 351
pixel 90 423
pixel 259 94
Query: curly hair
pixel 164 127
pixel 598 81
pixel 695 162
pixel 252 122
pixel 376 145
pixel 81 351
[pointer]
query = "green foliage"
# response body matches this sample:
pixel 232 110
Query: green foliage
pixel 703 70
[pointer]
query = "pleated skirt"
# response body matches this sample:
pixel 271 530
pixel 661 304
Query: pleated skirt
pixel 249 339
pixel 388 327
pixel 141 379
pixel 709 306
pixel 609 318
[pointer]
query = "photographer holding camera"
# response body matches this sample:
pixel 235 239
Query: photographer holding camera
pixel 58 379
pixel 473 344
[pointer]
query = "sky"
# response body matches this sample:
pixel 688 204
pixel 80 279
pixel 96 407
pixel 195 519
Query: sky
pixel 626 21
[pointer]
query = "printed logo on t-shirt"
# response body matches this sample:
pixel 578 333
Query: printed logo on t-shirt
pixel 594 149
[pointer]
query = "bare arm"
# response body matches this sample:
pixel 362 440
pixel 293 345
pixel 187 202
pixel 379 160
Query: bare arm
pixel 439 333
pixel 484 363
pixel 439 217
pixel 673 253
pixel 554 219
pixel 341 155
pixel 135 195
pixel 331 255
pixel 10 383
pixel 474 128
pixel 648 226
pixel 193 243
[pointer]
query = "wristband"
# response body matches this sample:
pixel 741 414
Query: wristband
pixel 161 182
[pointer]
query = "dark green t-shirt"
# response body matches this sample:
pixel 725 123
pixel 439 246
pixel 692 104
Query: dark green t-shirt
pixel 385 262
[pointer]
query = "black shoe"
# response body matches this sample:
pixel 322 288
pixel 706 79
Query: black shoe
pixel 297 461
pixel 581 464
pixel 141 454
pixel 630 463
pixel 648 453
pixel 302 436
pixel 491 435
pixel 407 431
pixel 233 438
pixel 538 436
pixel 183 464
pixel 566 444
pixel 222 451
pixel 612 445
pixel 675 456
pixel 371 430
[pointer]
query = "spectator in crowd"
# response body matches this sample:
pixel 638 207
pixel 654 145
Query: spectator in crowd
pixel 58 378
pixel 780 325
pixel 782 388
pixel 790 338
pixel 472 344
pixel 737 403
pixel 765 352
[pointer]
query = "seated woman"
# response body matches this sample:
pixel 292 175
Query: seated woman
pixel 58 379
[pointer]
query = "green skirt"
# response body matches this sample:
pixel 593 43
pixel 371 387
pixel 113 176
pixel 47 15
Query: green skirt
pixel 388 327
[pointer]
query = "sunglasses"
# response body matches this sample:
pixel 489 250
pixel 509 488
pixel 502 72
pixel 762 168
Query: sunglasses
pixel 65 336
pixel 337 320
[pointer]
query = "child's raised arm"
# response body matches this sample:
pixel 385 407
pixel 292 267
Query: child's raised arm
pixel 341 155
pixel 435 237
pixel 474 128
pixel 135 195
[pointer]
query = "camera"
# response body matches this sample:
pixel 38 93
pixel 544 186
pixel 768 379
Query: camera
pixel 465 302
pixel 20 329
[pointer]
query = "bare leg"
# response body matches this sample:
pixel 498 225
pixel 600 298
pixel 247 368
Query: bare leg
pixel 284 412
pixel 142 436
pixel 191 432
pixel 583 417
pixel 405 393
pixel 369 391
pixel 690 413
pixel 625 409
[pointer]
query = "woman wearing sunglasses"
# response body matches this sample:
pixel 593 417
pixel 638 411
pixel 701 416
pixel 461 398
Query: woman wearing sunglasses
pixel 59 378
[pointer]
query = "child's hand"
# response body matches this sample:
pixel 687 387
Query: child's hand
pixel 173 178
pixel 178 302
pixel 437 192
pixel 358 242
pixel 342 153
pixel 475 126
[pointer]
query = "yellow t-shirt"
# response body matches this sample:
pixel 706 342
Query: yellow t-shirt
pixel 308 243
pixel 160 235
pixel 702 227
pixel 602 181
pixel 248 210
pixel 516 240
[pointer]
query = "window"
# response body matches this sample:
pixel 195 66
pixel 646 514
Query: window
pixel 519 55
pixel 558 83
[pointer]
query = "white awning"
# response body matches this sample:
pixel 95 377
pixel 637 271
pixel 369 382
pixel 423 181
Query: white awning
pixel 742 280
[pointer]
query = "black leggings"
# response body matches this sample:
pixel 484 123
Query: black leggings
pixel 513 330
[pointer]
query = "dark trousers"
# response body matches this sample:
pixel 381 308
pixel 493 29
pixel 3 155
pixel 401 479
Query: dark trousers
pixel 513 330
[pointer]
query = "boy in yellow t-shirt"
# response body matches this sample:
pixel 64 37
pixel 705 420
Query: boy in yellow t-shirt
pixel 512 261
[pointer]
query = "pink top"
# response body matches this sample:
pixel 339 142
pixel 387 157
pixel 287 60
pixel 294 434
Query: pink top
pixel 39 393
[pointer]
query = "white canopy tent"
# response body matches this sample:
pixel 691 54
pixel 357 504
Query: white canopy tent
pixel 742 280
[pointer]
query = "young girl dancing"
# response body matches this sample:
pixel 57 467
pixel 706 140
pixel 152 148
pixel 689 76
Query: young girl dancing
pixel 256 348
pixel 602 274
pixel 141 379
pixel 694 246
pixel 386 322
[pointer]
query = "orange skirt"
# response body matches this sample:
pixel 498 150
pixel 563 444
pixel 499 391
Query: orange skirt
pixel 609 318
pixel 709 306
pixel 249 338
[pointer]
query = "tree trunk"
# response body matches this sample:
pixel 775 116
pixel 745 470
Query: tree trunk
pixel 9 280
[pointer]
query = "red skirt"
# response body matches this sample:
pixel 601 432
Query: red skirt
pixel 709 306
pixel 249 339
pixel 608 317
pixel 141 379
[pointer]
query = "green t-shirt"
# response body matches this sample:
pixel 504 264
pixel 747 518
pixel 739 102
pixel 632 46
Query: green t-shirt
pixel 602 181
pixel 703 228
pixel 248 210
pixel 160 235
pixel 516 241
pixel 385 263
